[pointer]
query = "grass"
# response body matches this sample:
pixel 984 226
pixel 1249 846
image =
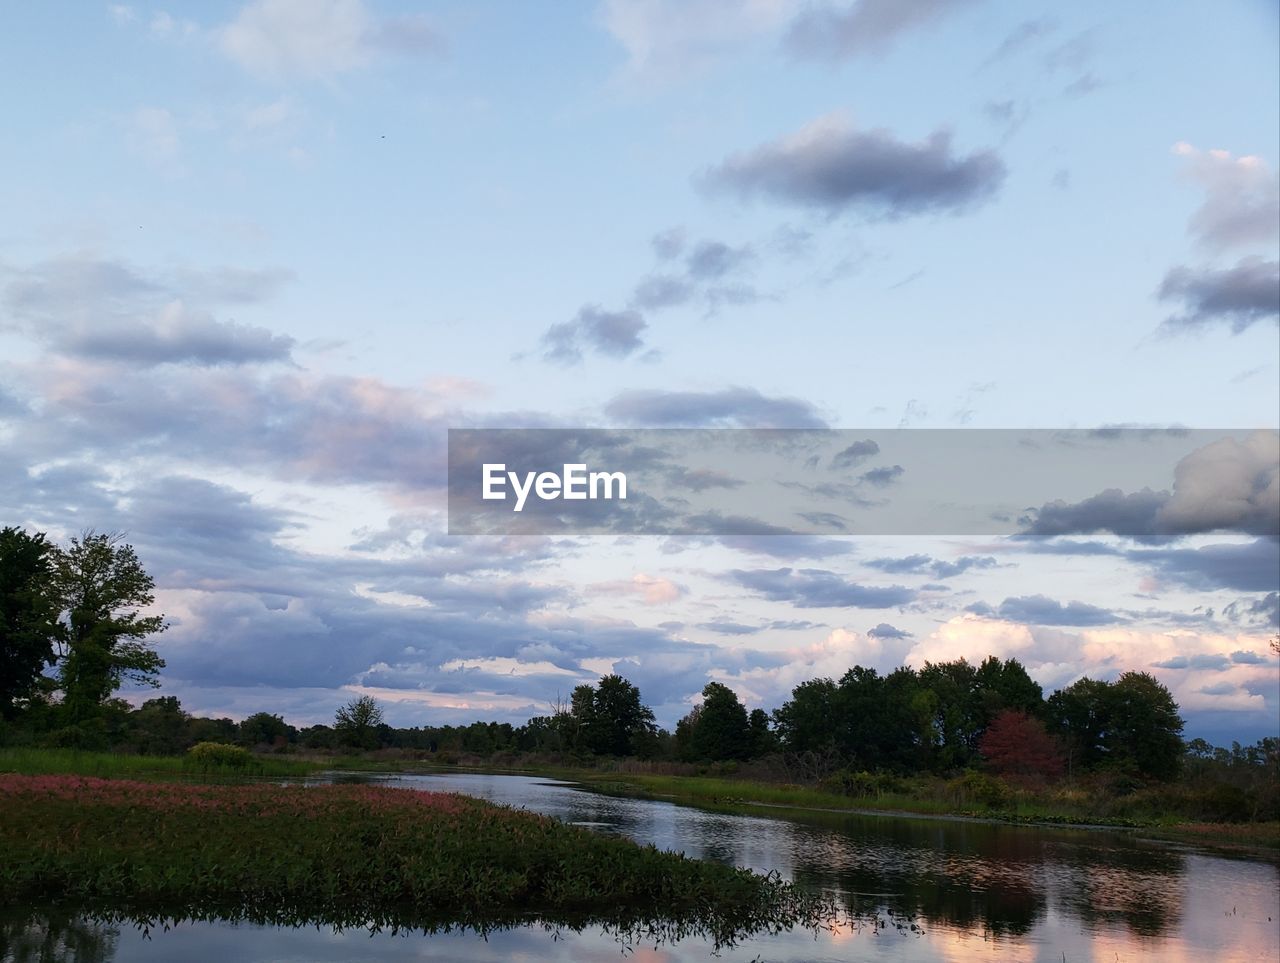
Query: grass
pixel 352 853
pixel 37 762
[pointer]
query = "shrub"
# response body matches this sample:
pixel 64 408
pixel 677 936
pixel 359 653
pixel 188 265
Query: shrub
pixel 991 791
pixel 218 755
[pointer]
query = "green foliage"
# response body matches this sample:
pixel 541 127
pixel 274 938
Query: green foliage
pixel 29 609
pixel 356 850
pixel 609 718
pixel 205 756
pixel 978 787
pixel 103 588
pixel 1131 725
pixel 718 729
pixel 264 729
pixel 356 724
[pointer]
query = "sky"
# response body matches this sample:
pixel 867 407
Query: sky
pixel 257 258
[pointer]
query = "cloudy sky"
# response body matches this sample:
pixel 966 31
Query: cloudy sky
pixel 253 265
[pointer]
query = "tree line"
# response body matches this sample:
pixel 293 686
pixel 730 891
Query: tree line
pixel 74 625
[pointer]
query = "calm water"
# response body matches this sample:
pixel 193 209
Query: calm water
pixel 976 891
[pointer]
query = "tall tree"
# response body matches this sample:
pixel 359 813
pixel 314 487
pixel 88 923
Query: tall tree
pixel 720 730
pixel 29 609
pixel 1145 730
pixel 611 719
pixel 104 588
pixel 357 722
pixel 1017 746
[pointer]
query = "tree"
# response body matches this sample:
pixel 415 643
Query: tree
pixel 763 741
pixel 103 588
pixel 718 729
pixel 1145 729
pixel 806 723
pixel 1017 746
pixel 263 728
pixel 357 722
pixel 610 718
pixel 29 610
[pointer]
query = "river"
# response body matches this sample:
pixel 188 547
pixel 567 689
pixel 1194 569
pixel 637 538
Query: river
pixel 959 891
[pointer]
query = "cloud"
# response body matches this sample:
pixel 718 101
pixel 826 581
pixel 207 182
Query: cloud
pixel 818 588
pixel 105 309
pixel 612 333
pixel 178 335
pixel 1228 484
pixel 319 39
pixel 1245 567
pixel 652 589
pixel 667 40
pixel 1041 610
pixel 1242 198
pixel 886 631
pixel 882 477
pixel 705 274
pixel 855 454
pixel 728 408
pixel 1239 296
pixel 825 31
pixel 937 568
pixel 833 167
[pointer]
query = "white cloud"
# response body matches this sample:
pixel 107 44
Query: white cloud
pixel 666 39
pixel 1242 198
pixel 318 38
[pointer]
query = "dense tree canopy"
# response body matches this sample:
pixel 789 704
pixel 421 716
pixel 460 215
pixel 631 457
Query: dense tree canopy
pixel 104 589
pixel 29 610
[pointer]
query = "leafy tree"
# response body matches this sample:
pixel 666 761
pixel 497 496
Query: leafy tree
pixel 806 722
pixel 160 727
pixel 1079 715
pixel 104 587
pixel 1145 729
pixel 264 728
pixel 610 719
pixel 29 609
pixel 1006 685
pixel 720 730
pixel 760 736
pixel 356 723
pixel 1017 747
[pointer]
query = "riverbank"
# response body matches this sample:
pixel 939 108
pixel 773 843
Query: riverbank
pixel 745 796
pixel 395 856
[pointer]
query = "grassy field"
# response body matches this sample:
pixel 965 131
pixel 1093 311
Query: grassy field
pixel 353 853
pixel 37 762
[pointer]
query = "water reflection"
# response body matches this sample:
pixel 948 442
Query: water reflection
pixel 943 890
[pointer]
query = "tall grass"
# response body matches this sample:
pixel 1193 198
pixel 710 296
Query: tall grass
pixel 108 765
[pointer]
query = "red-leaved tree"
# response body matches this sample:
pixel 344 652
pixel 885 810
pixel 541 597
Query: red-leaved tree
pixel 1017 747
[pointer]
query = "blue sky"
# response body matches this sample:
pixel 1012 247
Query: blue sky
pixel 257 257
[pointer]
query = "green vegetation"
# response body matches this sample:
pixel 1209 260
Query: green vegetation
pixel 33 761
pixel 356 852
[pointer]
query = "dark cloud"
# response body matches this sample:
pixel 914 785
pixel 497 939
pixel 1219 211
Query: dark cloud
pixel 830 166
pixel 728 408
pixel 1132 515
pixel 1245 567
pixel 179 337
pixel 669 243
pixel 938 568
pixel 1238 297
pixel 714 259
pixel 886 631
pixel 109 310
pixel 818 588
pixel 1213 662
pixel 728 627
pixel 1041 610
pixel 612 333
pixel 658 291
pixel 855 454
pixel 826 31
pixel 1228 484
pixel 882 477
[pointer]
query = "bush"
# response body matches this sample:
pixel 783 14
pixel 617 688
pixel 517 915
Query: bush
pixel 846 782
pixel 218 755
pixel 991 791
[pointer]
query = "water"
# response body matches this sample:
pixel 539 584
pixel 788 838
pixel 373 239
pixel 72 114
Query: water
pixel 975 891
